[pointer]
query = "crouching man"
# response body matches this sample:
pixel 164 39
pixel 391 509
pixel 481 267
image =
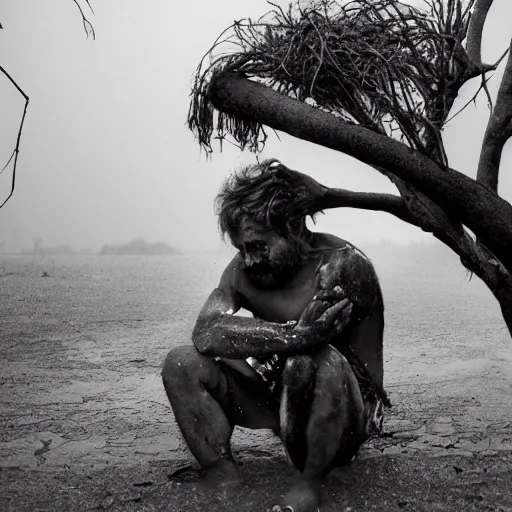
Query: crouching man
pixel 308 365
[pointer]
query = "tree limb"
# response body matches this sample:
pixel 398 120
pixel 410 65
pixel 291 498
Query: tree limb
pixel 88 28
pixel 337 198
pixel 414 208
pixel 485 213
pixel 18 139
pixel 430 218
pixel 421 212
pixel 498 131
pixel 478 259
pixel 475 31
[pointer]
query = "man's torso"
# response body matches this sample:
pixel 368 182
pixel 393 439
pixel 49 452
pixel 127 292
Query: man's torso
pixel 339 263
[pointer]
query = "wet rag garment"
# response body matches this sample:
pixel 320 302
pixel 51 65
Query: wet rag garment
pixel 374 396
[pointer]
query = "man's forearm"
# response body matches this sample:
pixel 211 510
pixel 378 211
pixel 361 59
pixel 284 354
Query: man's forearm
pixel 241 337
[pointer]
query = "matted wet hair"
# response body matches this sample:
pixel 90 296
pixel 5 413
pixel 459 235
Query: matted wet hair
pixel 267 194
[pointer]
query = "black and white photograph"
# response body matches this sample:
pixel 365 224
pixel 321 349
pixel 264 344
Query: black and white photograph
pixel 256 255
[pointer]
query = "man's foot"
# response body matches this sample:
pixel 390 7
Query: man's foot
pixel 302 497
pixel 221 474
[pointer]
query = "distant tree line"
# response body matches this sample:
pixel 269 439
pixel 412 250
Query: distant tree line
pixel 139 246
pixel 135 246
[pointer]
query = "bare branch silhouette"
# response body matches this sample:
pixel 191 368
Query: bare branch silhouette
pixel 89 29
pixel 18 139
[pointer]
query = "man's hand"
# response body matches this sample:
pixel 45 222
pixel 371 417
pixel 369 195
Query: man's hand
pixel 310 192
pixel 325 316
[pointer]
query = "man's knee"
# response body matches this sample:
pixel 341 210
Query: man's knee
pixel 314 398
pixel 183 366
pixel 329 356
pixel 304 368
pixel 299 371
pixel 322 385
pixel 333 366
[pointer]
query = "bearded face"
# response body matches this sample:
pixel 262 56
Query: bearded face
pixel 270 259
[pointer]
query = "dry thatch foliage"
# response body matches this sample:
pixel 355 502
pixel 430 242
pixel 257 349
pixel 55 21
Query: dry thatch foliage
pixel 385 65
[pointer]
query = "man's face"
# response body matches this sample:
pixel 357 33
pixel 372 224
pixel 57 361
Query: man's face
pixel 270 259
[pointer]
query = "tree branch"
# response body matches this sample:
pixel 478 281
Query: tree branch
pixel 485 213
pixel 475 31
pixel 498 131
pixel 88 28
pixel 18 139
pixel 478 259
pixel 413 207
pixel 339 198
pixel 429 217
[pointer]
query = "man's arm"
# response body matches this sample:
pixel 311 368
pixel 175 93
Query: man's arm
pixel 218 333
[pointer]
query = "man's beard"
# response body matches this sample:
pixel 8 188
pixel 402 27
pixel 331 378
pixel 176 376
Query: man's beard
pixel 274 275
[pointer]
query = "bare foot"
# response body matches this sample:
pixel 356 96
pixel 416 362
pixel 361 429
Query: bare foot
pixel 302 497
pixel 221 475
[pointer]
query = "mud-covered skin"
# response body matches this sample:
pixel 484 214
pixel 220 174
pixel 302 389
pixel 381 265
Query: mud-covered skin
pixel 311 304
pixel 336 278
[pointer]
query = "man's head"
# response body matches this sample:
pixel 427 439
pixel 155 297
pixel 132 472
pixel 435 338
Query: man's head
pixel 261 212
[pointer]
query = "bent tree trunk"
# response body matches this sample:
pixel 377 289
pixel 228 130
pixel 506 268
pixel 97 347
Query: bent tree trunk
pixel 438 52
pixel 487 215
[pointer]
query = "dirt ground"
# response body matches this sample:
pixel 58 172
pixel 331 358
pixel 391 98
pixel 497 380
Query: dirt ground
pixel 85 424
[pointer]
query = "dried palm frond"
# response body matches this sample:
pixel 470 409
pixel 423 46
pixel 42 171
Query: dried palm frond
pixel 382 64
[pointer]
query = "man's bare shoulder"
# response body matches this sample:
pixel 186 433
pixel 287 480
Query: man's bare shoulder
pixel 233 275
pixel 337 250
pixel 327 242
pixel 349 271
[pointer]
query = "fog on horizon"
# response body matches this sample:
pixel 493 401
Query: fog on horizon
pixel 105 155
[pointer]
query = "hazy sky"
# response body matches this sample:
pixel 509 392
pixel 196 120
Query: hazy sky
pixel 105 154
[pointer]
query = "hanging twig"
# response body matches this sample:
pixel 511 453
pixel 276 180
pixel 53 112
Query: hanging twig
pixel 17 147
pixel 89 29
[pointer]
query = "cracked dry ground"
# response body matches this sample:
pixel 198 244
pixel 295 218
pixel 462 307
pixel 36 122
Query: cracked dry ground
pixel 85 424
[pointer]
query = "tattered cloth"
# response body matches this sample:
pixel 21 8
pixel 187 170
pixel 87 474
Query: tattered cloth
pixel 374 396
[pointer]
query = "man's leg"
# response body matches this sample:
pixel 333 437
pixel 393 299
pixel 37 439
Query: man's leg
pixel 334 428
pixel 208 399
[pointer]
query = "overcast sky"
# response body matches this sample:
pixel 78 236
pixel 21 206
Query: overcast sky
pixel 105 154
